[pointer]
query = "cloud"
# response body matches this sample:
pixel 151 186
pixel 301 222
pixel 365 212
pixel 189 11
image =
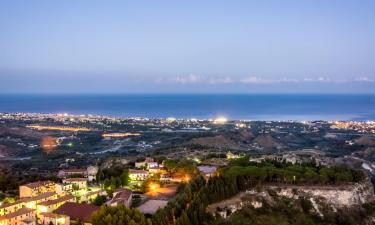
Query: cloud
pixel 364 79
pixel 195 79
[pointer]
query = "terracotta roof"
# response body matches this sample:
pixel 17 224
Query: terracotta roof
pixel 52 215
pixel 77 211
pixel 19 212
pixel 138 171
pixel 58 200
pixel 41 196
pixel 76 179
pixel 5 205
pixel 121 197
pixel 38 184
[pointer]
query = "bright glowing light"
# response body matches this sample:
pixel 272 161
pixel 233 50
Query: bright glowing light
pixel 171 119
pixel 121 134
pixel 153 187
pixel 58 128
pixel 220 120
pixel 187 178
pixel 48 144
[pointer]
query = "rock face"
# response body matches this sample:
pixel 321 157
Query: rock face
pixel 110 162
pixel 338 196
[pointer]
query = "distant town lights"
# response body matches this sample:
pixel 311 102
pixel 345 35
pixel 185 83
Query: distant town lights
pixel 220 120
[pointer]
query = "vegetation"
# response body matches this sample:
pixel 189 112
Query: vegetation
pixel 119 215
pixel 188 206
pixel 113 178
pixel 7 181
pixel 99 200
pixel 183 167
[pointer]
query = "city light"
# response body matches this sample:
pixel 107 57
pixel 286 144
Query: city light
pixel 127 134
pixel 220 120
pixel 58 128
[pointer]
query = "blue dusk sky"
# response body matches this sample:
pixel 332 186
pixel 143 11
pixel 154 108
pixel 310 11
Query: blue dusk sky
pixel 70 46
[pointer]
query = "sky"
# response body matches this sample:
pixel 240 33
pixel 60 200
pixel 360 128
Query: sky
pixel 212 46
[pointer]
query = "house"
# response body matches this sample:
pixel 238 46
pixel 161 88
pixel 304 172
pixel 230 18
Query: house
pixel 78 211
pixel 147 163
pixel 30 203
pixel 7 208
pixel 207 171
pixel 51 205
pixel 53 218
pixel 34 201
pixel 230 155
pixel 91 195
pixel 121 197
pixel 80 183
pixel 22 216
pixel 89 173
pixel 65 173
pixel 154 170
pixel 36 188
pixel 138 175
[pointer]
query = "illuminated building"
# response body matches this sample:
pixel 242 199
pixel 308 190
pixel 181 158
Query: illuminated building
pixel 36 188
pixel 81 183
pixel 23 216
pixel 148 163
pixel 138 175
pixel 56 219
pixel 121 197
pixel 51 205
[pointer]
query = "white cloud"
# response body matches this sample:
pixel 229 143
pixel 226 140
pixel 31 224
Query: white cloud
pixel 195 79
pixel 364 79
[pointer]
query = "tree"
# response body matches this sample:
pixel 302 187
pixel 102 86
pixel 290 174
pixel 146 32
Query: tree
pixel 124 178
pixel 99 200
pixel 119 215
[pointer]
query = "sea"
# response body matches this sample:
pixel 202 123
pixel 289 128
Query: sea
pixel 298 107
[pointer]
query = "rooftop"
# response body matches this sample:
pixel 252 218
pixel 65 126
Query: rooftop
pixel 38 184
pixel 19 212
pixel 77 211
pixel 58 200
pixel 132 171
pixel 76 179
pixel 121 196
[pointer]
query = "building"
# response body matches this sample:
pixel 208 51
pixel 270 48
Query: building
pixel 56 219
pixel 89 173
pixel 147 163
pixel 138 175
pixel 154 170
pixel 91 195
pixel 80 183
pixel 30 203
pixel 78 211
pixel 65 173
pixel 36 188
pixel 230 155
pixel 207 171
pixel 51 205
pixel 121 197
pixel 23 216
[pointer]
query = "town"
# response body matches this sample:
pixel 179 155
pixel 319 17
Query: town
pixel 66 169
